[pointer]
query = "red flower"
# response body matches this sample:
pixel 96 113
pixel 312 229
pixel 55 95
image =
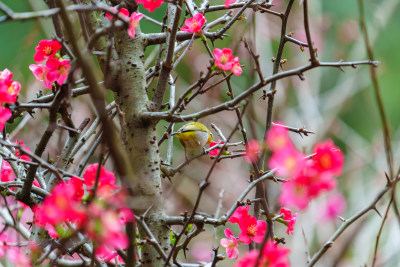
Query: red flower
pixel 9 89
pixel 328 158
pixel 58 70
pixel 194 25
pixel 5 114
pixel 60 206
pixel 18 154
pixel 229 2
pixel 239 213
pixel 45 50
pixel 271 256
pixel 150 5
pixel 215 151
pixel 106 180
pixel 252 229
pixel 122 12
pixel 253 150
pixel 289 218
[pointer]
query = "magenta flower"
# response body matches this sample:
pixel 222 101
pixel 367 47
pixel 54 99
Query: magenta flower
pixel 150 5
pixel 253 150
pixel 45 50
pixel 40 73
pixel 122 12
pixel 229 2
pixel 239 213
pixel 289 218
pixel 19 154
pixel 295 193
pixel 58 70
pixel 230 244
pixel 194 25
pixel 224 58
pixel 106 180
pixel 9 89
pixel 5 114
pixel 134 23
pixel 60 206
pixel 271 256
pixel 215 151
pixel 328 158
pixel 252 229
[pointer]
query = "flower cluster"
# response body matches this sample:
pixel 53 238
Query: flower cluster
pixel 134 19
pixel 102 217
pixel 251 230
pixel 9 91
pixel 150 5
pixel 225 61
pixel 308 177
pixel 194 25
pixel 55 69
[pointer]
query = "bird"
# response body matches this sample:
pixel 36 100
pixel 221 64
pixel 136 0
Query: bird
pixel 194 135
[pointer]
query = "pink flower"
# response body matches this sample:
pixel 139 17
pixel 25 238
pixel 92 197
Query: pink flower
pixel 239 213
pixel 126 215
pixel 229 2
pixel 236 68
pixel 58 70
pixel 277 138
pixel 295 194
pixel 6 75
pixel 253 150
pixel 122 12
pixel 7 173
pixel 194 25
pixel 215 151
pixel 230 244
pixel 328 158
pixel 224 58
pixel 40 73
pixel 18 257
pixel 45 50
pixel 271 256
pixel 288 162
pixel 77 185
pixel 60 206
pixel 5 114
pixel 252 229
pixel 19 154
pixel 9 89
pixel 134 23
pixel 150 5
pixel 289 218
pixel 334 206
pixel 106 180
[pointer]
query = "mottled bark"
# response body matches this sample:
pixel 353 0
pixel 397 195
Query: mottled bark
pixel 139 137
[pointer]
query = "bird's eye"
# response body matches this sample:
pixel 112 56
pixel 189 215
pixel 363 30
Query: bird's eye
pixel 212 136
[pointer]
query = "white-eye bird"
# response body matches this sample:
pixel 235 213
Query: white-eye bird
pixel 194 135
